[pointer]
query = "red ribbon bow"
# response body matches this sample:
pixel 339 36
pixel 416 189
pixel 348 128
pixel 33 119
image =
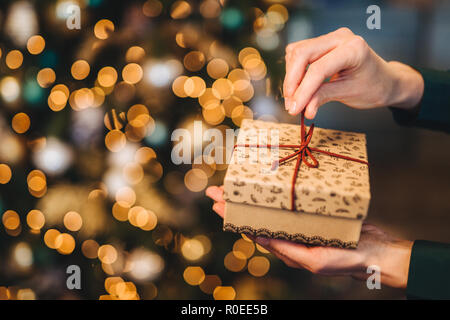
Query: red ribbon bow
pixel 302 153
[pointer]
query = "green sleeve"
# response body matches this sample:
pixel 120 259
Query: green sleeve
pixel 429 271
pixel 433 111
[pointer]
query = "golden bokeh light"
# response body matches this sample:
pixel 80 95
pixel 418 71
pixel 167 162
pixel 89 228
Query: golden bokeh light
pixel 152 221
pixel 217 68
pixel 243 89
pixel 14 59
pixel 195 180
pixel 152 8
pixel 115 140
pixel 235 261
pixel 11 220
pixel 206 164
pixel 243 248
pixel 5 173
pixel 46 77
pixel 180 10
pixel 240 113
pixel 99 96
pixel 26 294
pixel 80 69
pixel 73 221
pixel 214 116
pixel 230 104
pixel 138 216
pixel 222 88
pixel 134 54
pixel 36 44
pixel 58 97
pixel 111 284
pixel 103 29
pixel 192 249
pixel 208 99
pixel 82 99
pixel 138 115
pixel 194 275
pixel 194 60
pixel 126 291
pixel 120 212
pixel 224 293
pixel 238 74
pixel 262 249
pixel 37 182
pixel 35 220
pixel 247 54
pixel 281 10
pixel 50 238
pixel 255 67
pixel 258 266
pixel 107 254
pixel 144 154
pixel 178 86
pixel 90 249
pixel 194 87
pixel 179 39
pixel 107 77
pixel 21 122
pixel 126 196
pixel 65 243
pixel 132 73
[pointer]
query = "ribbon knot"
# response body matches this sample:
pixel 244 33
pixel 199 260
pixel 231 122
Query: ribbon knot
pixel 303 152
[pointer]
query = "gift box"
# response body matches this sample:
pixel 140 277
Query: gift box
pixel 297 183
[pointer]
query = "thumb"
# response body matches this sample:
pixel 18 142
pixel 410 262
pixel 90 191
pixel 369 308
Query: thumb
pixel 329 91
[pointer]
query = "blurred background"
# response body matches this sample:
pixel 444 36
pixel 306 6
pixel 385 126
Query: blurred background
pixel 86 117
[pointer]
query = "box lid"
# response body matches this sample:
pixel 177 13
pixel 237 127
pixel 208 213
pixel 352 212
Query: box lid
pixel 337 187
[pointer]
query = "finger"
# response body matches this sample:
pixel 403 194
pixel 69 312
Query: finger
pixel 290 263
pixel 219 208
pixel 296 252
pixel 336 60
pixel 330 91
pixel 286 260
pixel 215 193
pixel 302 53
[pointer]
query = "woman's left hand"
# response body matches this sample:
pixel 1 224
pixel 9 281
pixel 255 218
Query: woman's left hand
pixel 375 247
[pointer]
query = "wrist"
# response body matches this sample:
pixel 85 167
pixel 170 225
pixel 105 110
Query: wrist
pixel 393 261
pixel 407 86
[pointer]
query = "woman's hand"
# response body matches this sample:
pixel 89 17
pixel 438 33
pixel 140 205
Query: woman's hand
pixel 375 248
pixel 359 78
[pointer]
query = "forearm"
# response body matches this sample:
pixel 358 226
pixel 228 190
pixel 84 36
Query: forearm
pixel 407 86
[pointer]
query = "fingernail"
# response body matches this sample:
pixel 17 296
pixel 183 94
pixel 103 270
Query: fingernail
pixel 287 102
pixel 262 241
pixel 293 108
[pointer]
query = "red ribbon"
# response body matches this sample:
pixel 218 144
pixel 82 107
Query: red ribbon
pixel 302 153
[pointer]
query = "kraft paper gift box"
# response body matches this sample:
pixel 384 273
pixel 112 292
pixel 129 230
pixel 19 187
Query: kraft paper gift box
pixel 330 201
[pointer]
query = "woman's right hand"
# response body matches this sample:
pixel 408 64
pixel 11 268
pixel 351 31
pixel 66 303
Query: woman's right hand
pixel 359 77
